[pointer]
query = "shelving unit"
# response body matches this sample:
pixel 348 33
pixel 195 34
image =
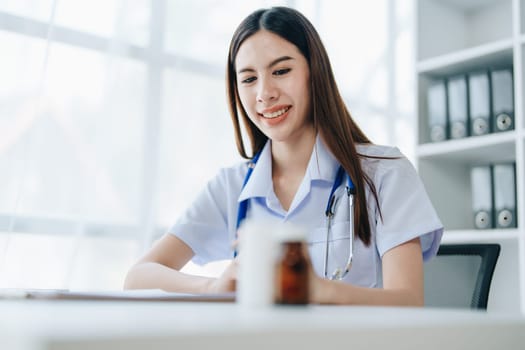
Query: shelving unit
pixel 453 37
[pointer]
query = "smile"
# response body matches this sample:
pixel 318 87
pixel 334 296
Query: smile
pixel 276 113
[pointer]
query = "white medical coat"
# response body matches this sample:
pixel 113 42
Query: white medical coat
pixel 208 226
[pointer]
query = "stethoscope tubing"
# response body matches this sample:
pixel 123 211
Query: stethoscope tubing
pixel 329 212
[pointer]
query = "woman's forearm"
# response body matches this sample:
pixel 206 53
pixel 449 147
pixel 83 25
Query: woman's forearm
pixel 335 292
pixel 151 275
pixel 402 282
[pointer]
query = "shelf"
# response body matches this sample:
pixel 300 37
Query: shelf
pixel 487 55
pixel 459 37
pixel 449 26
pixel 475 149
pixel 468 5
pixel 472 236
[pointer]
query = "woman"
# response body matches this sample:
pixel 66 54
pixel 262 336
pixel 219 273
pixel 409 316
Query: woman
pixel 282 90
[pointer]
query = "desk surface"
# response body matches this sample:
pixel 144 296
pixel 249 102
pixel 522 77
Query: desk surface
pixel 37 324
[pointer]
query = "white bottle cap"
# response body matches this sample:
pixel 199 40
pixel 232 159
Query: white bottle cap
pixel 288 232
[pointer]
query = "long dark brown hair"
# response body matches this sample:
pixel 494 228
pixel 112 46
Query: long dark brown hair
pixel 329 114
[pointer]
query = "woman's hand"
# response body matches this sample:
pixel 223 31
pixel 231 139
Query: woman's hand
pixel 315 282
pixel 227 281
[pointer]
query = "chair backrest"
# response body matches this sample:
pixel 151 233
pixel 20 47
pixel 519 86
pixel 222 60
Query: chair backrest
pixel 460 275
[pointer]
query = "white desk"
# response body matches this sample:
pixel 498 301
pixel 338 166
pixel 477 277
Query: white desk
pixel 101 325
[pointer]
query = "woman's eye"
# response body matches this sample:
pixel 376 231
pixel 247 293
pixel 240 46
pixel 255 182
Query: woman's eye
pixel 248 80
pixel 282 71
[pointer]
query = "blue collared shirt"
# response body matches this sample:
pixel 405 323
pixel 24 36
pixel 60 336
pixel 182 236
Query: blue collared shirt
pixel 208 225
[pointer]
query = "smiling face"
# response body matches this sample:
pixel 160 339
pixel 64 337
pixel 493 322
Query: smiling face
pixel 273 84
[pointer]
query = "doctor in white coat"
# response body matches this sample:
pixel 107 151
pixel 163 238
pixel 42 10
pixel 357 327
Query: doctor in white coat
pixel 310 164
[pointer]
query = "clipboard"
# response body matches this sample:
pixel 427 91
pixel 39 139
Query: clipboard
pixel 124 295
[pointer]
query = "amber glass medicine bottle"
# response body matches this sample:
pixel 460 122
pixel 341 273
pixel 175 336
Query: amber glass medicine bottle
pixel 291 269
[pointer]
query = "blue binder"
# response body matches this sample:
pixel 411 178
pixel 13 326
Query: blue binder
pixel 457 107
pixel 502 100
pixel 437 111
pixel 479 103
pixel 481 189
pixel 504 179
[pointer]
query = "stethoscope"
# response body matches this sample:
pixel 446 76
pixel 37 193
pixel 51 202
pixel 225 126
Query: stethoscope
pixel 339 273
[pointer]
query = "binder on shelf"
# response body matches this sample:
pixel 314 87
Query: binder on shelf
pixel 479 103
pixel 437 111
pixel 502 99
pixel 504 178
pixel 457 107
pixel 481 189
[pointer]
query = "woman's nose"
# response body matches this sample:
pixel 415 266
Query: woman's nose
pixel 267 91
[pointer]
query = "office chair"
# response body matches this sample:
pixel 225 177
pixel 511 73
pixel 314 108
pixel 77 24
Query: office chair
pixel 460 275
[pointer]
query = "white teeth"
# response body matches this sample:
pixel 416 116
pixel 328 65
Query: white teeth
pixel 276 114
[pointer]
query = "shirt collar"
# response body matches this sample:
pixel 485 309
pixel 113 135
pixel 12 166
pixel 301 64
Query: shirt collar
pixel 322 166
pixel 260 183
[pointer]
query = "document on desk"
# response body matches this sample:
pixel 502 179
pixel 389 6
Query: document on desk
pixel 124 295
